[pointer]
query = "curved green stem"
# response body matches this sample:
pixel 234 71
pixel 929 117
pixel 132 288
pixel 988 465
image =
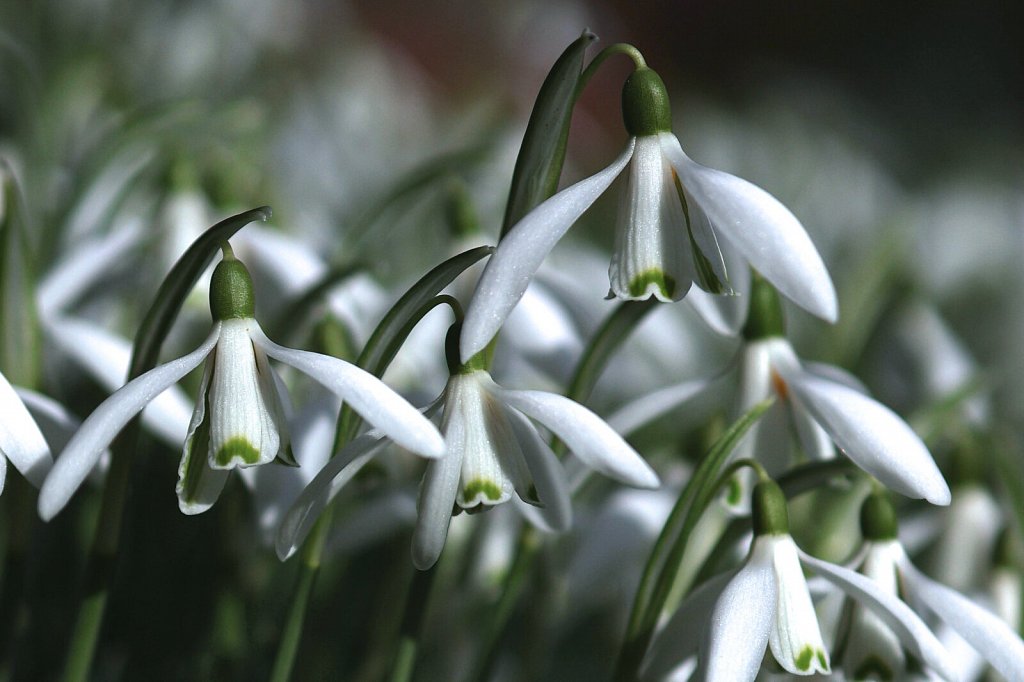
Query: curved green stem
pixel 603 55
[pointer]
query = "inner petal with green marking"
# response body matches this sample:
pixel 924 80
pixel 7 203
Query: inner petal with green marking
pixel 237 451
pixel 654 282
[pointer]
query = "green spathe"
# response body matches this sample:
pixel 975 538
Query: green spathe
pixel 645 106
pixel 231 295
pixel 769 514
pixel 237 449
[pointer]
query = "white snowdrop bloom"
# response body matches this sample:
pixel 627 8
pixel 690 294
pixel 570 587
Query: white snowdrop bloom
pixel 731 619
pixel 239 418
pixel 873 645
pixel 681 223
pixel 493 454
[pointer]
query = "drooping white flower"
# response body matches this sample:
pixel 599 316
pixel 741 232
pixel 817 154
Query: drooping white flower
pixel 731 619
pixel 493 453
pixel 239 419
pixel 681 223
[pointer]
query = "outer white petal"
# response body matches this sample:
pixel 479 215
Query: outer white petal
pixel 725 314
pixel 3 472
pixel 20 439
pixel 911 630
pixel 755 385
pixel 324 487
pixel 985 631
pixel 207 487
pixel 740 622
pixel 100 427
pixel 368 396
pixel 586 434
pixel 681 635
pixel 546 472
pixel 795 637
pixel 521 251
pixel 437 493
pixel 873 436
pixel 764 231
pixel 54 420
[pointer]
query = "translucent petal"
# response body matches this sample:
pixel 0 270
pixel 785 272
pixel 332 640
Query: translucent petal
pixel 367 395
pixel 199 486
pixel 912 632
pixel 521 251
pixel 100 427
pixel 586 434
pixel 873 436
pixel 985 631
pixel 546 472
pixel 324 487
pixel 764 231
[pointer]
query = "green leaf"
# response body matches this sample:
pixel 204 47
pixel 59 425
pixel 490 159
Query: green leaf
pixel 177 285
pixel 539 164
pixel 19 328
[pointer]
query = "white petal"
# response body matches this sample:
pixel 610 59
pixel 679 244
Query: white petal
pixel 546 472
pixel 242 430
pixel 3 472
pixel 324 487
pixel 54 420
pixel 652 252
pixel 764 231
pixel 368 396
pixel 21 442
pixel 795 638
pixel 740 622
pixel 725 314
pixel 873 436
pixel 437 494
pixel 681 635
pixel 100 428
pixel 586 434
pixel 520 253
pixel 647 408
pixel 911 630
pixel 755 385
pixel 985 631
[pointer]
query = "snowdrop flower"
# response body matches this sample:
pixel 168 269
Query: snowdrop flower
pixel 21 442
pixel 872 647
pixel 239 418
pixel 730 620
pixel 493 453
pixel 681 223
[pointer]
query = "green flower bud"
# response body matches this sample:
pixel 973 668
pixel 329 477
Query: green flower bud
pixel 645 106
pixel 231 295
pixel 764 320
pixel 481 360
pixel 769 513
pixel 878 518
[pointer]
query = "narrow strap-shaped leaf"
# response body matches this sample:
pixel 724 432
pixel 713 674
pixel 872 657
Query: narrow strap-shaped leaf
pixel 539 164
pixel 19 328
pixel 177 285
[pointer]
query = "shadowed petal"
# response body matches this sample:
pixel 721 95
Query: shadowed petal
pixel 911 630
pixel 521 251
pixel 586 434
pixel 21 442
pixel 437 493
pixel 873 436
pixel 338 471
pixel 764 231
pixel 982 629
pixel 546 472
pixel 100 427
pixel 365 393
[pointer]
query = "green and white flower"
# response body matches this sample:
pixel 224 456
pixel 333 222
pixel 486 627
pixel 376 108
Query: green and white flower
pixel 239 419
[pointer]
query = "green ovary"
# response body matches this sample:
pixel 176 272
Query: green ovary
pixel 640 284
pixel 237 448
